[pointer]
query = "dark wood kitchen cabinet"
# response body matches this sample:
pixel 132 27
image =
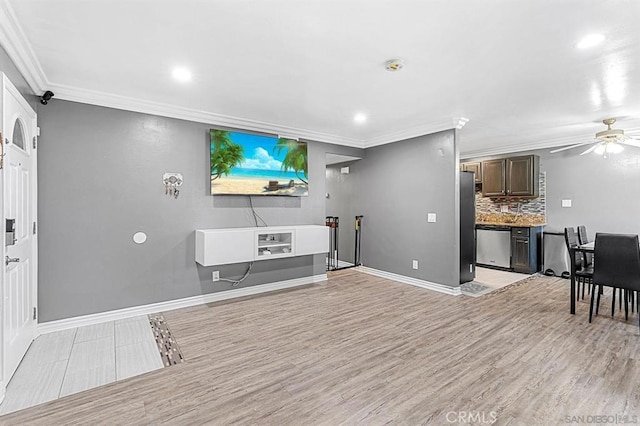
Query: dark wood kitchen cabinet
pixel 523 175
pixel 493 178
pixel 475 167
pixel 511 177
pixel 525 253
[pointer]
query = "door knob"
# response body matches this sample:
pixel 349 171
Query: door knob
pixel 8 260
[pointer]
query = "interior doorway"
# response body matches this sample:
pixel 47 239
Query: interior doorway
pixel 343 210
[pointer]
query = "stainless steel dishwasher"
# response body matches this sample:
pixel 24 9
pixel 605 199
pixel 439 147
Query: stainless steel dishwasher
pixel 493 246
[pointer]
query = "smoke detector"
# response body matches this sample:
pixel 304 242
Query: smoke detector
pixel 394 64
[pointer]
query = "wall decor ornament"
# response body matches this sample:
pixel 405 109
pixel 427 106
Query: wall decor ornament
pixel 172 181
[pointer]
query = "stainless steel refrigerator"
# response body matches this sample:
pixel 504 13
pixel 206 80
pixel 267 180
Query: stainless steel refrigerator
pixel 467 227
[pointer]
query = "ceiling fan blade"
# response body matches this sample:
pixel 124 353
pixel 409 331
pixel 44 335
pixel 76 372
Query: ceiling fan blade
pixel 569 147
pixel 632 142
pixel 589 150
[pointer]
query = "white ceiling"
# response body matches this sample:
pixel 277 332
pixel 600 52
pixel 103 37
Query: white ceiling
pixel 305 68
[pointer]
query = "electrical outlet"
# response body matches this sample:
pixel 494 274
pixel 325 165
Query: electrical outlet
pixel 431 217
pixel 504 208
pixel 215 276
pixel 415 264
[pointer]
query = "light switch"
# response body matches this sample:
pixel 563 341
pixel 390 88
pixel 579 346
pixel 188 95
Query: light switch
pixel 431 217
pixel 566 203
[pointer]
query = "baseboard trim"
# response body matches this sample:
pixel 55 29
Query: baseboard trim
pixel 440 288
pixel 342 264
pixel 67 323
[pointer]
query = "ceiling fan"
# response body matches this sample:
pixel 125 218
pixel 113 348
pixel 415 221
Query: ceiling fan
pixel 607 142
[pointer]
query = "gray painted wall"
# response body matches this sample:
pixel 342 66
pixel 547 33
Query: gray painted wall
pixel 343 190
pixel 605 193
pixel 100 181
pixel 399 184
pixel 8 67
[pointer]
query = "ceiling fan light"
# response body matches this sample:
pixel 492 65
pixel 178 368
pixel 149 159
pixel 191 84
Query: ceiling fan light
pixel 607 148
pixel 615 148
pixel 600 149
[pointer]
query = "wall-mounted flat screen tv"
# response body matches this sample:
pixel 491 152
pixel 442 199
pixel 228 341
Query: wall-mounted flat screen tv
pixel 248 164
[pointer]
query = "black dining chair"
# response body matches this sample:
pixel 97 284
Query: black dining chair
pixel 617 266
pixel 583 238
pixel 584 274
pixel 587 258
pixel 587 261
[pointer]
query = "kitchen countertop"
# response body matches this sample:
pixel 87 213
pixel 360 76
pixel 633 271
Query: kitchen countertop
pixel 510 219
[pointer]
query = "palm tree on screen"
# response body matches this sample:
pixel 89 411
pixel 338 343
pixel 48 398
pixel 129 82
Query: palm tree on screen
pixel 225 154
pixel 295 158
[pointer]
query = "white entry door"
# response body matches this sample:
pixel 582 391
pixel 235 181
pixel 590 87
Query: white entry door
pixel 20 251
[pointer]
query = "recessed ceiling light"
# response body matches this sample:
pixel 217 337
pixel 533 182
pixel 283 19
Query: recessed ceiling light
pixel 360 118
pixel 394 64
pixel 181 74
pixel 590 41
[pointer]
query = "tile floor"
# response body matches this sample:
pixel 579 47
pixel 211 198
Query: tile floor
pixel 488 280
pixel 70 361
pixel 496 279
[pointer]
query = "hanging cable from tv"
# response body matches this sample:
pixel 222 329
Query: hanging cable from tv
pixel 235 283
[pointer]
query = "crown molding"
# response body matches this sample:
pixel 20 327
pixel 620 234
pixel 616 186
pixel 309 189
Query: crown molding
pixel 423 129
pixel 521 147
pixel 109 100
pixel 460 122
pixel 75 94
pixel 15 42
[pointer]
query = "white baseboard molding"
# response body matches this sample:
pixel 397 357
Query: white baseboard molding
pixel 67 323
pixel 342 264
pixel 440 288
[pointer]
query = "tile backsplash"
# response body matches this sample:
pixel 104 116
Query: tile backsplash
pixel 525 206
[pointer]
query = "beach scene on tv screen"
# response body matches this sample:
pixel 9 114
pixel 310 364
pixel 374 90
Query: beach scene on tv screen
pixel 247 164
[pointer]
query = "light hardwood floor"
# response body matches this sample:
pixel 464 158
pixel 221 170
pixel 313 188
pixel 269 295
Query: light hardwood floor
pixel 363 349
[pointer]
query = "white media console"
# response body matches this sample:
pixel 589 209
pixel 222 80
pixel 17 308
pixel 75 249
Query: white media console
pixel 235 245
